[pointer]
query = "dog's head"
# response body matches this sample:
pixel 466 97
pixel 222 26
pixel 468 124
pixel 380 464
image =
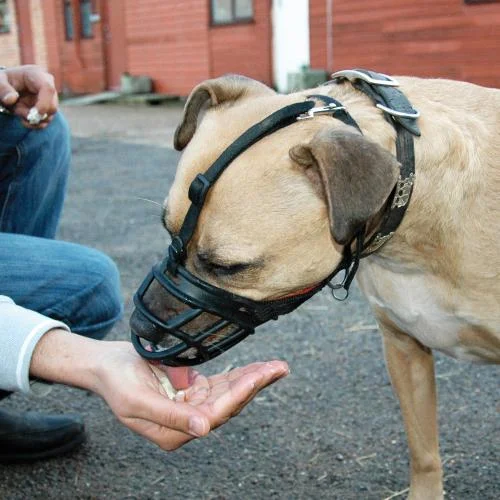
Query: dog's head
pixel 277 219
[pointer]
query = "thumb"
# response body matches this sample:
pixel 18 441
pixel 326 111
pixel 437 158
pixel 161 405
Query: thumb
pixel 10 98
pixel 179 416
pixel 8 94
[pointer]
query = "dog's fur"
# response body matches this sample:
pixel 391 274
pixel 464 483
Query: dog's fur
pixel 276 220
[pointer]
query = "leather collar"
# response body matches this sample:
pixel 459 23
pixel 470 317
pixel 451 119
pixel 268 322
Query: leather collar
pixel 399 112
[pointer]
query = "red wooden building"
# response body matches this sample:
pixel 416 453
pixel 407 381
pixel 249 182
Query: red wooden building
pixel 457 39
pixel 88 44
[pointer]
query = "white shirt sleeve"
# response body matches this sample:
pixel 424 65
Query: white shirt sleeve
pixel 20 330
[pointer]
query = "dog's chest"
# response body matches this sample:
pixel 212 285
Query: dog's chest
pixel 412 303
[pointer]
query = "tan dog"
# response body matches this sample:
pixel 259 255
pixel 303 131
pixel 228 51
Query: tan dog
pixel 276 219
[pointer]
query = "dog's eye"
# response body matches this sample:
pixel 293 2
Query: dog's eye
pixel 223 270
pixel 219 269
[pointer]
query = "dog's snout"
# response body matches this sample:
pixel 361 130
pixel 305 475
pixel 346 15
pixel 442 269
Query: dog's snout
pixel 144 328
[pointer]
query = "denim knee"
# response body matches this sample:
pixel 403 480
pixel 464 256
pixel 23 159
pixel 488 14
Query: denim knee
pixel 95 308
pixel 104 304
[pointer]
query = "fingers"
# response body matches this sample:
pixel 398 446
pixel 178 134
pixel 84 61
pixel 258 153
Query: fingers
pixel 26 111
pixel 230 402
pixel 257 376
pixel 270 373
pixel 199 391
pixel 37 82
pixel 167 439
pixel 268 369
pixel 47 99
pixel 30 93
pixel 227 394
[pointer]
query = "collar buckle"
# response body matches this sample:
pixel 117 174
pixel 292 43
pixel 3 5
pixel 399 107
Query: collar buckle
pixel 354 74
pixel 402 114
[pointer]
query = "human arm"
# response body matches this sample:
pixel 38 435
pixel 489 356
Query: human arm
pixel 20 331
pixel 132 387
pixel 23 88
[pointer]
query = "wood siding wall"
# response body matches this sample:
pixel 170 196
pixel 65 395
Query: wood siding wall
pixel 168 42
pixel 244 48
pixel 174 43
pixel 178 48
pixel 429 38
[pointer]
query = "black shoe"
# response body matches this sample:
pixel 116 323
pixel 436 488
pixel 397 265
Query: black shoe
pixel 30 436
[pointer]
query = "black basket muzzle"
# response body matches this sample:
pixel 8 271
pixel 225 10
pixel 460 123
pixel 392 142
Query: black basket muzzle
pixel 211 321
pixel 193 321
pixel 207 320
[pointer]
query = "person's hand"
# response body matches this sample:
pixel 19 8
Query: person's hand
pixel 30 93
pixel 132 388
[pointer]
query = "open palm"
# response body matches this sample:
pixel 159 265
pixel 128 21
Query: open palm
pixel 132 387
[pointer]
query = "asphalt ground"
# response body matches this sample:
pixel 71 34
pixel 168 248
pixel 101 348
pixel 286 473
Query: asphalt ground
pixel 332 429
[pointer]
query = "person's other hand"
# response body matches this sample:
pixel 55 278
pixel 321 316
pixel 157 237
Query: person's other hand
pixel 132 388
pixel 23 88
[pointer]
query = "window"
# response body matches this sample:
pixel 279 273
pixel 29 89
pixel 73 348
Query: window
pixel 4 17
pixel 86 19
pixel 68 20
pixel 231 11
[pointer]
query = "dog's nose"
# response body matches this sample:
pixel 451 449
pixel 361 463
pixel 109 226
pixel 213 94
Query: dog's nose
pixel 144 328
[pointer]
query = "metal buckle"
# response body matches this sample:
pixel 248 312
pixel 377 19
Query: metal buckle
pixel 353 74
pixel 329 109
pixel 401 114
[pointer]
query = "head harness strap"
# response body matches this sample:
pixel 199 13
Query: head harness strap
pixel 203 182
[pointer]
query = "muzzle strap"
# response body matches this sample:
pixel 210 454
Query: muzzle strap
pixel 349 264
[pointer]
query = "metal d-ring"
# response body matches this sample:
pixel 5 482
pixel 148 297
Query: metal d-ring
pixel 337 294
pixel 337 287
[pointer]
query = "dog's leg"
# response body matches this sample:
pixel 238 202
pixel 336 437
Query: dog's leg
pixel 411 368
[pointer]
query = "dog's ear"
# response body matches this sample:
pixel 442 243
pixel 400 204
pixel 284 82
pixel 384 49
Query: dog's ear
pixel 212 92
pixel 355 175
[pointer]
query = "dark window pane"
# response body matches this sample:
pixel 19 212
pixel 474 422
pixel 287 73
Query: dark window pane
pixel 85 15
pixel 4 17
pixel 221 11
pixel 230 11
pixel 243 9
pixel 68 20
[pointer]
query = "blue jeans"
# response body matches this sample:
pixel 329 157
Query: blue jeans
pixel 65 281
